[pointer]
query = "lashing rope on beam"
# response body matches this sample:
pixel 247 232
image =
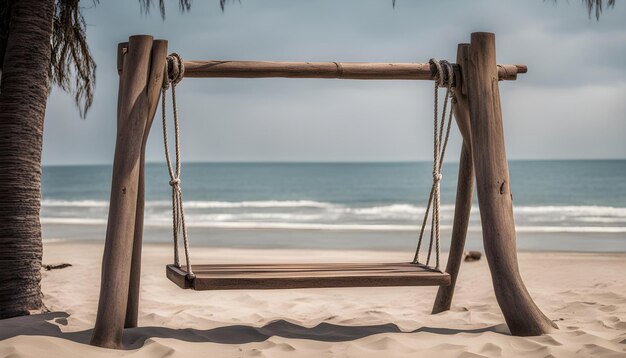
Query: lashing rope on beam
pixel 444 77
pixel 174 71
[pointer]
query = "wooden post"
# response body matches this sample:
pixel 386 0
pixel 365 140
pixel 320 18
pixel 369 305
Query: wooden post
pixel 464 189
pixel 157 64
pixel 493 189
pixel 137 82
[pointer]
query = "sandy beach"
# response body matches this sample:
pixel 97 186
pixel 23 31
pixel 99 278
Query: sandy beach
pixel 319 145
pixel 585 294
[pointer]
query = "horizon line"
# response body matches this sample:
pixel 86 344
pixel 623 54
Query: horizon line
pixel 327 161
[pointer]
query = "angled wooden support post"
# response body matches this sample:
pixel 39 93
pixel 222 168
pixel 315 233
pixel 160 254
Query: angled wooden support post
pixel 464 189
pixel 494 192
pixel 157 64
pixel 142 63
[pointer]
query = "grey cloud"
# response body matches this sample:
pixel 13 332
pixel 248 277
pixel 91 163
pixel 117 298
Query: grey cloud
pixel 278 119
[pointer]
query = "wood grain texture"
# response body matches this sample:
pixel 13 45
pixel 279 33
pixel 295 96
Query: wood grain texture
pixel 318 275
pixel 493 189
pixel 340 70
pixel 153 91
pixel 133 110
pixel 464 189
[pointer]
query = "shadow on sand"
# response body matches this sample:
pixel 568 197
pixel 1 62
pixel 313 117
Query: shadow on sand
pixel 49 324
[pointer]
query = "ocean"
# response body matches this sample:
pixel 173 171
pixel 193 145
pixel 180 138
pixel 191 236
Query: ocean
pixel 559 205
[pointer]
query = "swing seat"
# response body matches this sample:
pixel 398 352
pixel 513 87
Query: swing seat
pixel 310 275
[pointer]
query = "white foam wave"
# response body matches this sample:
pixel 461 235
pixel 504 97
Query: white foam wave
pixel 75 203
pixel 306 226
pixel 572 229
pixel 391 210
pixel 581 210
pixel 73 221
pixel 224 223
pixel 382 227
pixel 282 217
pixel 310 214
pixel 53 240
pixel 602 220
pixel 259 204
pixel 591 211
pixel 197 204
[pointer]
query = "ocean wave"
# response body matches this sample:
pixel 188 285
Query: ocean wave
pixel 225 224
pixel 73 221
pixel 311 214
pixel 258 204
pixel 305 226
pixel 197 204
pixel 579 210
pixel 74 203
pixel 591 211
pixel 390 210
pixel 571 229
pixel 53 240
pixel 602 220
pixel 383 227
pixel 282 217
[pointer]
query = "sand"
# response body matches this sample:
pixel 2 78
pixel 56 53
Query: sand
pixel 584 293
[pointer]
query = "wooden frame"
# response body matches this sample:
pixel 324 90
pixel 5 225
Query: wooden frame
pixel 140 63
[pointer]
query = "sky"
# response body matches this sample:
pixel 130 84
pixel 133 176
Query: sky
pixel 570 105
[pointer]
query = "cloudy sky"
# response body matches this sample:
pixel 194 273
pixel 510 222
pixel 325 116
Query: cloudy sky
pixel 571 104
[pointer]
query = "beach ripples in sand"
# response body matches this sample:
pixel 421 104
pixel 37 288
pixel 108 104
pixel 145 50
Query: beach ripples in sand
pixel 584 293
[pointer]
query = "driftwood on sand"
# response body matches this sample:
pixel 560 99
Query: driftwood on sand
pixel 472 256
pixel 56 266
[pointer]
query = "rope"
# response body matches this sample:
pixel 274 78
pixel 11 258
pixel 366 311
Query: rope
pixel 174 71
pixel 443 73
pixel 444 77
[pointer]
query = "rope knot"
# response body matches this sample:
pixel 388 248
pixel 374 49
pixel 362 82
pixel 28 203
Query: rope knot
pixel 437 177
pixel 175 182
pixel 442 72
pixel 174 70
pixel 437 72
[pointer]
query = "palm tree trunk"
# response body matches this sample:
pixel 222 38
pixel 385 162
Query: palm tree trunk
pixel 23 94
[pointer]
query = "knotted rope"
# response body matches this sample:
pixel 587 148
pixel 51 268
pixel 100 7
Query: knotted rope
pixel 444 77
pixel 174 71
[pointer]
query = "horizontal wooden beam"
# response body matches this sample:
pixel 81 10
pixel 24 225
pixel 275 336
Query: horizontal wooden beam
pixel 341 70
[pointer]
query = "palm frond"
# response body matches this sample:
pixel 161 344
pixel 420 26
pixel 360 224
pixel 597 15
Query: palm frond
pixel 597 6
pixel 146 5
pixel 72 67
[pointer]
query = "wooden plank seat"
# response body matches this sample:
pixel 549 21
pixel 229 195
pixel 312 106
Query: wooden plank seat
pixel 306 275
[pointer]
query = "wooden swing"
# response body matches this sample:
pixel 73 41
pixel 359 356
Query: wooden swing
pixel 472 83
pixel 305 275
